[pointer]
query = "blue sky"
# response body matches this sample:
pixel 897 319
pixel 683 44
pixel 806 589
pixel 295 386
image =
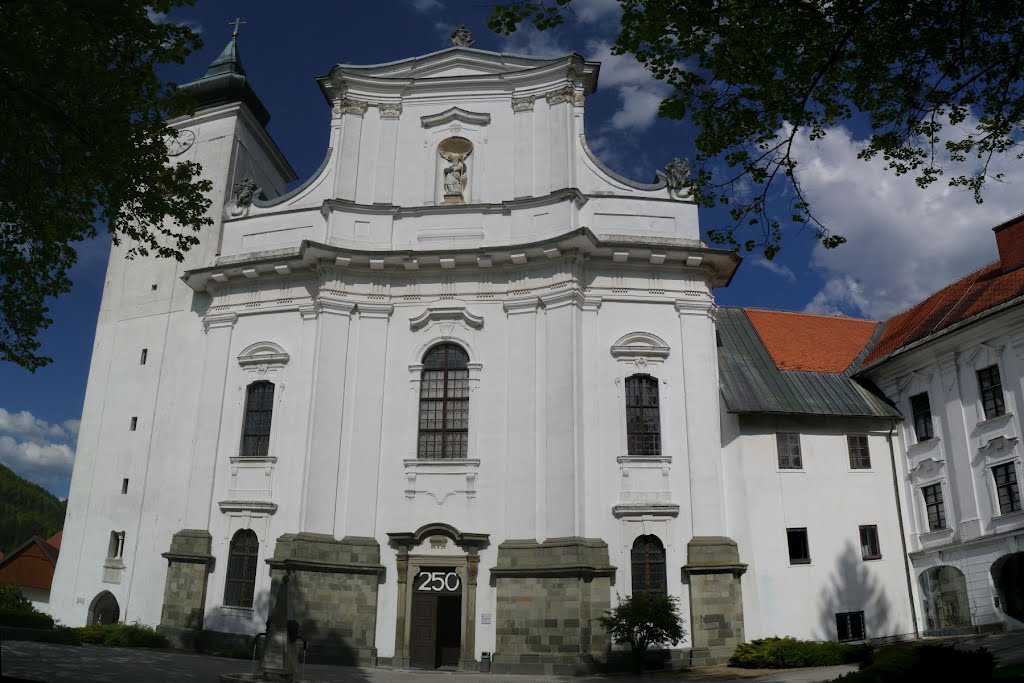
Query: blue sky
pixel 904 243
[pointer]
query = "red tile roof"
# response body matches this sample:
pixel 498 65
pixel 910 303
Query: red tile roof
pixel 56 539
pixel 981 290
pixel 812 343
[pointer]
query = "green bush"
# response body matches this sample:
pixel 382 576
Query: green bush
pixel 790 653
pixel 11 599
pixel 122 635
pixel 897 663
pixel 26 620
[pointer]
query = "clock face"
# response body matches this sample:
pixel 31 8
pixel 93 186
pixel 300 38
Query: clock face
pixel 176 146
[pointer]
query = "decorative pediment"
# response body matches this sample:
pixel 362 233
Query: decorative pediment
pixel 455 114
pixel 446 310
pixel 640 345
pixel 263 353
pixel 626 510
pixel 985 354
pixel 927 469
pixel 998 447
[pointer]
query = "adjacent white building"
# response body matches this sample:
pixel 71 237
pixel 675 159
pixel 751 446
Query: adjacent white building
pixel 466 387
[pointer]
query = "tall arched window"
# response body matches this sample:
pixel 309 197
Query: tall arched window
pixel 648 561
pixel 259 406
pixel 444 403
pixel 643 419
pixel 241 578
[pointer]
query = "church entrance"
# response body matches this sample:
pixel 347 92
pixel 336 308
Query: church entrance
pixel 436 633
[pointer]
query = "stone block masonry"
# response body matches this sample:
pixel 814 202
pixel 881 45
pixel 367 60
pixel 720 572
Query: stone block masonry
pixel 333 594
pixel 716 599
pixel 188 566
pixel 549 595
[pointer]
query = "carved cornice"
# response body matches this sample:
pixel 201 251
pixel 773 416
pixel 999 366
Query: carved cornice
pixel 256 506
pixel 263 353
pixel 927 469
pixel 565 297
pixel 566 93
pixel 446 310
pixel 390 110
pixel 526 304
pixel 219 320
pixel 374 310
pixel 347 105
pixel 997 447
pixel 455 114
pixel 334 306
pixel 625 510
pixel 640 345
pixel 520 104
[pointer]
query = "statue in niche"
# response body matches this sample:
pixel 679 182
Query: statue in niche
pixel 455 151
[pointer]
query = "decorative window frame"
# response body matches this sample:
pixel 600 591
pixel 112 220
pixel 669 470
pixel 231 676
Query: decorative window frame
pixel 242 519
pixel 641 353
pixel 984 356
pixel 927 535
pixel 990 485
pixel 262 361
pixel 912 384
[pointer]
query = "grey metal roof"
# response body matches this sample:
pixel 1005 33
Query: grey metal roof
pixel 751 382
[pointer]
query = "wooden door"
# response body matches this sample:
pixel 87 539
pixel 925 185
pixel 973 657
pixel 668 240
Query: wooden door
pixel 423 636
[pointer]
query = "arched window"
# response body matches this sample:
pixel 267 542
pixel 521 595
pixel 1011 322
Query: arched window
pixel 643 419
pixel 444 403
pixel 241 578
pixel 648 561
pixel 259 405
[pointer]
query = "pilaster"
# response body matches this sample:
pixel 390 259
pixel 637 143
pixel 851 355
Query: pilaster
pixel 189 564
pixel 714 569
pixel 521 385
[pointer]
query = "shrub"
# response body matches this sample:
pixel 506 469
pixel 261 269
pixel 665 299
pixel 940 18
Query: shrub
pixel 897 663
pixel 789 653
pixel 32 619
pixel 11 599
pixel 122 635
pixel 643 620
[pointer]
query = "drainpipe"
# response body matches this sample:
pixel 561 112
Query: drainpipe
pixel 903 533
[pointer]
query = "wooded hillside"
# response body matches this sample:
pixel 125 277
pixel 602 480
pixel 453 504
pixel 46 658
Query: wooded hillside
pixel 26 509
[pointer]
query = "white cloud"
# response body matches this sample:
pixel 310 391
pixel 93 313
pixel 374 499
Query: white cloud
pixel 591 11
pixel 771 266
pixel 639 108
pixel 38 450
pixel 904 242
pixel 424 6
pixel 531 42
pixel 162 18
pixel 640 94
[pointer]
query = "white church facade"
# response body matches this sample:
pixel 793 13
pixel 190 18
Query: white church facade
pixel 467 387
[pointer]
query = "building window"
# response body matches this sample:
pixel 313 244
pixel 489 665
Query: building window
pixel 648 561
pixel 134 425
pixel 1006 488
pixel 643 416
pixel 799 551
pixel 991 392
pixel 241 579
pixel 115 547
pixel 444 403
pixel 789 450
pixel 850 626
pixel 933 506
pixel 869 548
pixel 259 409
pixel 143 356
pixel 857 444
pixel 921 408
pixel 124 486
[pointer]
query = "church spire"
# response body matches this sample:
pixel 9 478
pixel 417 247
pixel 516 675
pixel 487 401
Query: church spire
pixel 225 81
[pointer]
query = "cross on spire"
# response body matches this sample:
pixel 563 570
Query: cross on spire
pixel 236 23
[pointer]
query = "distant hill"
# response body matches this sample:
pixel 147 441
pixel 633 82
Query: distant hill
pixel 26 509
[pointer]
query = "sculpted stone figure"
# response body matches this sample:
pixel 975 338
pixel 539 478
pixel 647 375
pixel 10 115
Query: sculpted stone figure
pixel 461 37
pixel 245 192
pixel 454 173
pixel 677 176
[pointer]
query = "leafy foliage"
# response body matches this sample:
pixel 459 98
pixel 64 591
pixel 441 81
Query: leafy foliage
pixel 26 510
pixel 897 663
pixel 933 81
pixel 11 599
pixel 644 620
pixel 789 653
pixel 122 635
pixel 83 111
pixel 17 611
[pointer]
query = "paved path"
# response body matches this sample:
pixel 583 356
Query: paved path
pixel 49 663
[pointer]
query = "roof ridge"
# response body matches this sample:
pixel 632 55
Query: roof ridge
pixel 941 289
pixel 810 315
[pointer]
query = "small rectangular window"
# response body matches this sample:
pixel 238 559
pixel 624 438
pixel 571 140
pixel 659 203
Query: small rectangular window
pixel 124 486
pixel 153 287
pixel 991 392
pixel 857 444
pixel 934 507
pixel 1007 490
pixel 135 423
pixel 799 552
pixel 922 411
pixel 869 548
pixel 143 356
pixel 788 444
pixel 850 626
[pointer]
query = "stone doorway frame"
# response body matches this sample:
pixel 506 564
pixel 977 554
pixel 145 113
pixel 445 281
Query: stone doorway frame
pixel 466 566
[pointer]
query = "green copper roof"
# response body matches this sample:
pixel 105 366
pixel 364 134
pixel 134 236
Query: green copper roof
pixel 229 61
pixel 224 82
pixel 752 383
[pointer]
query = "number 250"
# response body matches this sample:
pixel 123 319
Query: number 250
pixel 439 581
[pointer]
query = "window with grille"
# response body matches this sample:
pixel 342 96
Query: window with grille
pixel 643 416
pixel 241 577
pixel 850 626
pixel 921 408
pixel 1006 488
pixel 259 408
pixel 869 548
pixel 648 562
pixel 799 550
pixel 934 507
pixel 991 392
pixel 789 450
pixel 444 403
pixel 857 444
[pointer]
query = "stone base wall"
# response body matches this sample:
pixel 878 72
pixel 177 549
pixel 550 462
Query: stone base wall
pixel 549 595
pixel 333 594
pixel 188 566
pixel 716 599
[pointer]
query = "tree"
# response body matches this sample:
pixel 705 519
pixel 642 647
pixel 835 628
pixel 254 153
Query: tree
pixel 84 113
pixel 643 620
pixel 939 84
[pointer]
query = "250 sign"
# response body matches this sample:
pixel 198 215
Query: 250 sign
pixel 443 581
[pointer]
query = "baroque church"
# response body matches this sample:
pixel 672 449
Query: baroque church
pixel 467 388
